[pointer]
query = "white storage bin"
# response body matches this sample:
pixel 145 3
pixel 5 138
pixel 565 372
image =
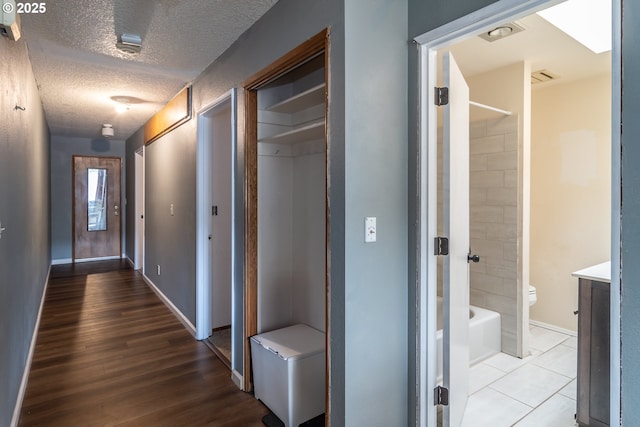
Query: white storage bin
pixel 289 372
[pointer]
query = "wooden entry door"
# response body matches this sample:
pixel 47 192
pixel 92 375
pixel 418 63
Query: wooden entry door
pixel 96 207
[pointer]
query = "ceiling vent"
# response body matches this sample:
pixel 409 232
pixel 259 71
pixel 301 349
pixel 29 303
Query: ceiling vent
pixel 129 43
pixel 502 31
pixel 542 76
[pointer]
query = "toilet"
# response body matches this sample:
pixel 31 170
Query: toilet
pixel 533 295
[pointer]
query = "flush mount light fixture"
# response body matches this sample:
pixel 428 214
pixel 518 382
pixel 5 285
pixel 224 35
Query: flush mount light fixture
pixel 124 99
pixel 107 130
pixel 129 43
pixel 501 31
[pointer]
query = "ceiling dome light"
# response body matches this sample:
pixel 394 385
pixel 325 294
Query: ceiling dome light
pixel 122 108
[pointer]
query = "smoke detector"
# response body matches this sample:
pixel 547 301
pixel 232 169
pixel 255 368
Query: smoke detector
pixel 107 130
pixel 129 43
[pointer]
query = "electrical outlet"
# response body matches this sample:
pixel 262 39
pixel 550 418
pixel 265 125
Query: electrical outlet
pixel 158 269
pixel 171 209
pixel 1 229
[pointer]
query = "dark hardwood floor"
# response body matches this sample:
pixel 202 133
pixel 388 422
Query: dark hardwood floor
pixel 110 353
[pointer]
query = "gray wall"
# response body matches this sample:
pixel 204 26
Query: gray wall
pixel 368 283
pixel 24 212
pixel 62 151
pixel 375 170
pixel 170 178
pixel 630 213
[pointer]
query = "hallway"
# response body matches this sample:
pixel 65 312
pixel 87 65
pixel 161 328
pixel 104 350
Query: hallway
pixel 109 352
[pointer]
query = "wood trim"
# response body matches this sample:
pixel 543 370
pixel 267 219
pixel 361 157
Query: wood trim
pixel 308 50
pixel 327 306
pixel 73 208
pixel 301 54
pixel 176 112
pixel 251 229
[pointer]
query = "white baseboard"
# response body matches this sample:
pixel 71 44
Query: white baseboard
pixel 61 261
pixel 102 258
pixel 131 263
pixel 553 328
pixel 32 348
pixel 237 379
pixel 181 317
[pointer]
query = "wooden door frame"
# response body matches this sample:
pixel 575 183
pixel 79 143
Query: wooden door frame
pixel 315 46
pixel 73 206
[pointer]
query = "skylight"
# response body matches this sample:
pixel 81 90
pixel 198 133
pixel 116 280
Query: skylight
pixel 587 21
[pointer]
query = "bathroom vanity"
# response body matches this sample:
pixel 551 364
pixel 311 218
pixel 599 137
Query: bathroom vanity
pixel 593 345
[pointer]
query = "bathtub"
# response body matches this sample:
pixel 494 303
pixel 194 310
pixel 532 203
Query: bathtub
pixel 484 334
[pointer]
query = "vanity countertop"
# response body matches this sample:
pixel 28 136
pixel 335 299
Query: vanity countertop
pixel 599 272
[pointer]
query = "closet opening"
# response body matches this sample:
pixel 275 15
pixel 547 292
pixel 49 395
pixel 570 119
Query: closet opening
pixel 286 219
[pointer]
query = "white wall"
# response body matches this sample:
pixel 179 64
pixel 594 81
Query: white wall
pixel 309 247
pixel 570 192
pixel 291 235
pixel 275 234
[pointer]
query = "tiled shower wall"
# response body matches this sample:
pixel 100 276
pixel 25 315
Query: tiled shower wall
pixel 493 189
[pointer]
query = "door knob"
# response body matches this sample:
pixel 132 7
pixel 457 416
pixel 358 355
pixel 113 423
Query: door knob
pixel 473 258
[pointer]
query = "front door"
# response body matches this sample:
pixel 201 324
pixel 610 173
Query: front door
pixel 96 207
pixel 455 173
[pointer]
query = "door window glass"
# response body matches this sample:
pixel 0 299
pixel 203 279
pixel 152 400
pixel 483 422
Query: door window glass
pixel 97 199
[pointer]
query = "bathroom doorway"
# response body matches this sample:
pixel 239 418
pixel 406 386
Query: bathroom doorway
pixel 494 16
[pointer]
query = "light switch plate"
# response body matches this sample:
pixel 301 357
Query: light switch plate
pixel 370 232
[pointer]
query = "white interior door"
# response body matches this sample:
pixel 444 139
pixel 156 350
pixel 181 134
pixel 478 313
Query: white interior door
pixel 139 210
pixel 456 228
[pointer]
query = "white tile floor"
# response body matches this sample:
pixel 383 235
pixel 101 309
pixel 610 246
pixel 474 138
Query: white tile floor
pixel 539 390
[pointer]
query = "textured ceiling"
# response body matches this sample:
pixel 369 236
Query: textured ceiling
pixel 79 69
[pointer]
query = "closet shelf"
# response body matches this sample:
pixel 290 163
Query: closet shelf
pixel 310 131
pixel 301 101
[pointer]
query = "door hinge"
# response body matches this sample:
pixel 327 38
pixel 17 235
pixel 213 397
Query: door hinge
pixel 442 96
pixel 214 210
pixel 441 246
pixel 440 396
